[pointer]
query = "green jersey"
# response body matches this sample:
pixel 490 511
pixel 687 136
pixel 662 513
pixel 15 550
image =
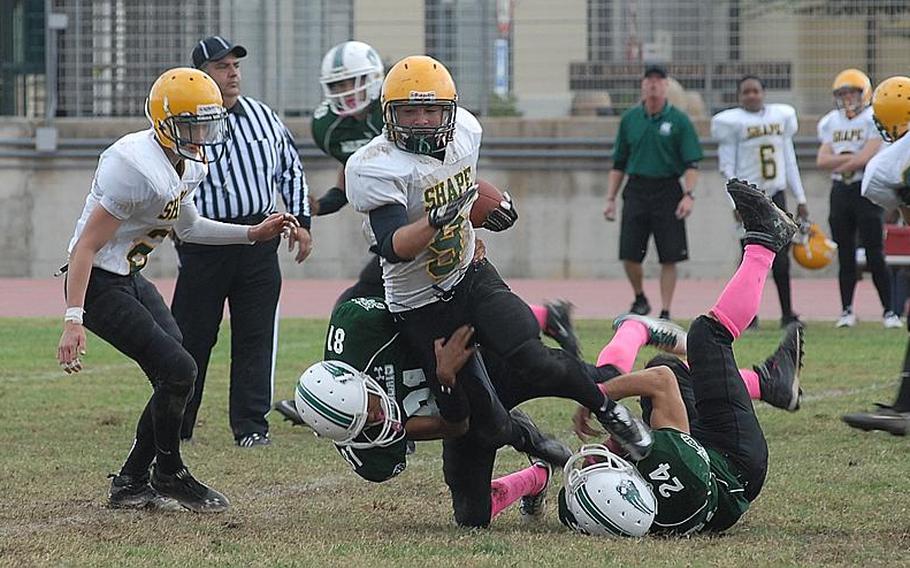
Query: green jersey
pixel 341 136
pixel 731 501
pixel 678 469
pixel 362 334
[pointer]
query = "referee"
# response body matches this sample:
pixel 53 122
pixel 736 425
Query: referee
pixel 240 188
pixel 655 146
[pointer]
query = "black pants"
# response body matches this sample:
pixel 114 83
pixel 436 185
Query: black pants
pixel 780 269
pixel 248 277
pixel 130 314
pixel 369 284
pixel 852 213
pixel 721 415
pixel 649 208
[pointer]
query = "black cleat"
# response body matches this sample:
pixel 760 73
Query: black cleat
pixel 532 507
pixel 131 492
pixel 788 319
pixel 410 448
pixel 189 492
pixel 640 306
pixel 559 326
pixel 766 224
pixel 536 444
pixel 662 334
pixel 628 430
pixel 288 409
pixel 884 418
pixel 778 376
pixel 253 440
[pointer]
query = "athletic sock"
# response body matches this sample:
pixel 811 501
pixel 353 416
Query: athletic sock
pixel 540 312
pixel 622 350
pixel 510 488
pixel 750 377
pixel 739 301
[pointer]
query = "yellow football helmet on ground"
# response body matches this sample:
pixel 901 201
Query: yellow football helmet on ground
pixel 185 109
pixel 414 82
pixel 845 84
pixel 891 107
pixel 812 249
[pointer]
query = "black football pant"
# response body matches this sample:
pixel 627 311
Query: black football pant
pixel 130 314
pixel 721 415
pixel 369 284
pixel 248 277
pixel 851 213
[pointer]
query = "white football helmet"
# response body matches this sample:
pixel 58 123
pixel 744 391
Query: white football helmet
pixel 332 398
pixel 351 60
pixel 607 495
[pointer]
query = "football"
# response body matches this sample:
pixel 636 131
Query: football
pixel 488 198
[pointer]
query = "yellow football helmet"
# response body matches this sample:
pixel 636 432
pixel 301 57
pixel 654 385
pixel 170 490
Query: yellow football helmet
pixel 415 82
pixel 185 109
pixel 846 82
pixel 813 249
pixel 891 107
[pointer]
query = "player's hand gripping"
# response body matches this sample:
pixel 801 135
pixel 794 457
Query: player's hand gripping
pixel 581 424
pixel 283 224
pixel 503 217
pixel 452 354
pixel 71 347
pixel 440 216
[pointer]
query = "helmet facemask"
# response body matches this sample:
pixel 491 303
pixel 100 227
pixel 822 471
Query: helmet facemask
pixel 387 430
pixel 208 133
pixel 365 88
pixel 890 135
pixel 428 139
pixel 849 100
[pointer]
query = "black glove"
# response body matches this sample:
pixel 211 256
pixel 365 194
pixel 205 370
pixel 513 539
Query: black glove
pixel 442 215
pixel 502 217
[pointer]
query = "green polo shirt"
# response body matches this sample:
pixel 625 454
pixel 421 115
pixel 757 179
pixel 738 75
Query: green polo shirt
pixel 658 146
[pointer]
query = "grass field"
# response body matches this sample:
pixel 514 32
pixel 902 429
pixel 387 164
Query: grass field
pixel 834 496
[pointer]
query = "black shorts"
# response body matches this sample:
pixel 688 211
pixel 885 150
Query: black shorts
pixel 649 208
pixel 721 415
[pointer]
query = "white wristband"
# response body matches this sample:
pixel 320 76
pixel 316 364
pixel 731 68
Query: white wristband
pixel 74 315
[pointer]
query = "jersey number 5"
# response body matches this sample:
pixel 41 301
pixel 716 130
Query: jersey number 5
pixel 768 165
pixel 662 473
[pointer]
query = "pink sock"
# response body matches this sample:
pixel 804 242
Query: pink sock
pixel 624 347
pixel 750 377
pixel 506 490
pixel 739 301
pixel 540 312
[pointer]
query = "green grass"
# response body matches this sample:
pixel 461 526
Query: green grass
pixel 834 496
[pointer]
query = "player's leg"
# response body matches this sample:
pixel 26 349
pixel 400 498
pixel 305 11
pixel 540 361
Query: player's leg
pixel 894 418
pixel 202 286
pixel 468 468
pixel 780 270
pixel 128 313
pixel 683 376
pixel 369 283
pixel 507 327
pixel 253 303
pixel 871 228
pixel 555 320
pixel 842 220
pixel 528 484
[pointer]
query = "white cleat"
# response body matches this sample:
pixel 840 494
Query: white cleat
pixel 891 320
pixel 847 319
pixel 662 334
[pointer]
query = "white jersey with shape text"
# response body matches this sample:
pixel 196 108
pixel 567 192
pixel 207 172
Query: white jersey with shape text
pixel 136 183
pixel 886 173
pixel 381 174
pixel 758 147
pixel 847 136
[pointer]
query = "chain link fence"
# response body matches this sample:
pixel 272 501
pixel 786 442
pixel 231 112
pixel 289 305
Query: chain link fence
pixel 534 58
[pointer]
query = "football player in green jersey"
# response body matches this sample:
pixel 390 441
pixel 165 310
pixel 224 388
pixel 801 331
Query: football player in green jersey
pixel 709 458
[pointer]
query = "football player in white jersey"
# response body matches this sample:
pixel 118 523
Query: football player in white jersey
pixel 142 190
pixel 416 185
pixel 886 182
pixel 755 143
pixel 848 141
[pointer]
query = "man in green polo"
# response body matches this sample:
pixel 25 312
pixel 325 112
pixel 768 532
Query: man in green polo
pixel 656 145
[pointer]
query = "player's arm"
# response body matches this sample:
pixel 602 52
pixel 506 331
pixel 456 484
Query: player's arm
pixel 193 228
pixel 726 147
pixel 657 383
pixel 332 200
pixel 794 181
pixel 434 428
pixel 98 230
pixel 826 159
pixel 859 160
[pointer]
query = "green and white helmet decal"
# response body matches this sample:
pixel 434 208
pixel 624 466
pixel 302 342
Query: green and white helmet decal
pixel 605 495
pixel 357 63
pixel 332 398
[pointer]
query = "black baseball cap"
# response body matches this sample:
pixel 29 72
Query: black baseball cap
pixel 214 48
pixel 655 70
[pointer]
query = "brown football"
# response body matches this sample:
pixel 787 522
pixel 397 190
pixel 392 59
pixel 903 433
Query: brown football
pixel 488 198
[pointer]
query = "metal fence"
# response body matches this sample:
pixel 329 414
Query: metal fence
pixel 536 58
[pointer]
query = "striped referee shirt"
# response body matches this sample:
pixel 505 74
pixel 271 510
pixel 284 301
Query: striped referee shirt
pixel 260 158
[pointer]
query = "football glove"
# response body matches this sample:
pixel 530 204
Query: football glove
pixel 440 216
pixel 502 217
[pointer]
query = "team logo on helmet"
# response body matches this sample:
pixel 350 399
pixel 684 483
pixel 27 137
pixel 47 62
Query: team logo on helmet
pixel 630 493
